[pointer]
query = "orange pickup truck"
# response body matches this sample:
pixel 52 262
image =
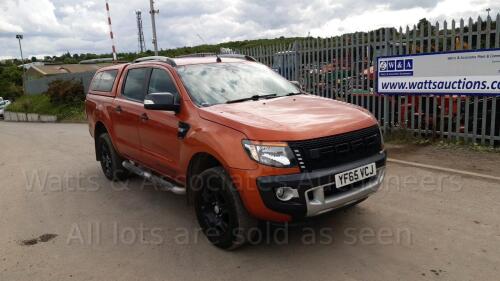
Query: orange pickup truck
pixel 243 143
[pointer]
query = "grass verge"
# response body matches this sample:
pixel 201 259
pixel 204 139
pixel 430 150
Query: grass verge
pixel 41 104
pixel 401 136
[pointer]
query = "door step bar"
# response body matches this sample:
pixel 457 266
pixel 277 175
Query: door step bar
pixel 156 180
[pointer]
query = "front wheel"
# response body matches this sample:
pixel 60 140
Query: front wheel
pixel 220 212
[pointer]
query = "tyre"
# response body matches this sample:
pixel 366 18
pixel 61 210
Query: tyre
pixel 111 162
pixel 220 212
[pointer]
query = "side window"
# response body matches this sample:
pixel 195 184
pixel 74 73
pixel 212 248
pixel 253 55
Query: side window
pixel 107 80
pixel 161 82
pixel 95 82
pixel 134 84
pixel 103 81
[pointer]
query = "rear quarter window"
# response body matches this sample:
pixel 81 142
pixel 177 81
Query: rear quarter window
pixel 104 81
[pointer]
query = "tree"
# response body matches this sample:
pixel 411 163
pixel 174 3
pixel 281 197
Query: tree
pixel 11 81
pixel 425 25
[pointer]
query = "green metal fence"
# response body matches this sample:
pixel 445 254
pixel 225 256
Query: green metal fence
pixel 344 68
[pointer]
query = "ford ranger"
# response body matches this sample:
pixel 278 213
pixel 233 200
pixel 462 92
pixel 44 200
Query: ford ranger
pixel 240 141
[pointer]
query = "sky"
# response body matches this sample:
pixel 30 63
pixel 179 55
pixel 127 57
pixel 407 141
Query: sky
pixel 53 27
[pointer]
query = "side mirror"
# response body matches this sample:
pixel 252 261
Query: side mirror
pixel 161 101
pixel 297 84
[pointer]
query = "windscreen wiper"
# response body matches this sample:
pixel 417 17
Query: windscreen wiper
pixel 294 94
pixel 254 97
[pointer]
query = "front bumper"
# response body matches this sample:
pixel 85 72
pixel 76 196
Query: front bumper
pixel 317 191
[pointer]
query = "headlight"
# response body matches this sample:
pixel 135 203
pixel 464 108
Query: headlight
pixel 275 154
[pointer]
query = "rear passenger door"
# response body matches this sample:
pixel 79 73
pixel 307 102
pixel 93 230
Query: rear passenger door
pixel 158 131
pixel 127 112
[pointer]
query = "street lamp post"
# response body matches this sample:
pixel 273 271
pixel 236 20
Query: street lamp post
pixel 153 23
pixel 19 38
pixel 488 10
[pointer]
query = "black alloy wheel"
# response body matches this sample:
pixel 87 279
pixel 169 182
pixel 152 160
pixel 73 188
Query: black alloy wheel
pixel 220 212
pixel 111 162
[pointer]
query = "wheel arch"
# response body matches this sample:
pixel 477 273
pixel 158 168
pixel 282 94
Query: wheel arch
pixel 198 163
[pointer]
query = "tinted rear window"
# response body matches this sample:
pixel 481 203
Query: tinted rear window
pixel 103 81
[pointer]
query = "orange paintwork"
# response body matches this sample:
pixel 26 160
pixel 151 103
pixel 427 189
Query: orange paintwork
pixel 217 130
pixel 289 118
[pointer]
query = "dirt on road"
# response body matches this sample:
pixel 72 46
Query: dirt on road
pixel 60 219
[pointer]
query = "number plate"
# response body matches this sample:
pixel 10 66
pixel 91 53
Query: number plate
pixel 355 175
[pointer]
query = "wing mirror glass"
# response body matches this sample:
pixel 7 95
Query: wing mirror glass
pixel 161 101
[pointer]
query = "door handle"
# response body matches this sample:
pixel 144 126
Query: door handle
pixel 118 109
pixel 144 117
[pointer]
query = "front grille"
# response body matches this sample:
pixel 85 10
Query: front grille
pixel 327 152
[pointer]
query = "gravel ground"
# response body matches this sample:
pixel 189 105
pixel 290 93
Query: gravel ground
pixel 60 219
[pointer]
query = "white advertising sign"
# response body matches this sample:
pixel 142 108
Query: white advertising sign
pixel 448 73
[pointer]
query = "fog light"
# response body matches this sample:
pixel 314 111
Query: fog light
pixel 285 193
pixel 381 176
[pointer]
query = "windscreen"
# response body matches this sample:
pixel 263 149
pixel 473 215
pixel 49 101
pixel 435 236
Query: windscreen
pixel 216 83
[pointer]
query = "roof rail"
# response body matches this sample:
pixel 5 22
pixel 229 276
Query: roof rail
pixel 235 56
pixel 157 58
pixel 238 56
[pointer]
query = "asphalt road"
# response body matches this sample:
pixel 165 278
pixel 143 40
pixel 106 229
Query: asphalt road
pixel 60 219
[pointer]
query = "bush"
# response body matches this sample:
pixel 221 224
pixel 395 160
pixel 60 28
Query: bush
pixel 41 104
pixel 11 82
pixel 66 92
pixel 10 91
pixel 32 104
pixel 64 98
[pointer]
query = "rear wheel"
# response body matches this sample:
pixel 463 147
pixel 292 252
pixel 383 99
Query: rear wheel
pixel 220 212
pixel 111 162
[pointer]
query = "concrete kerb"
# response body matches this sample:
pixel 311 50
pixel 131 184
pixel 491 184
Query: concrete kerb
pixel 29 117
